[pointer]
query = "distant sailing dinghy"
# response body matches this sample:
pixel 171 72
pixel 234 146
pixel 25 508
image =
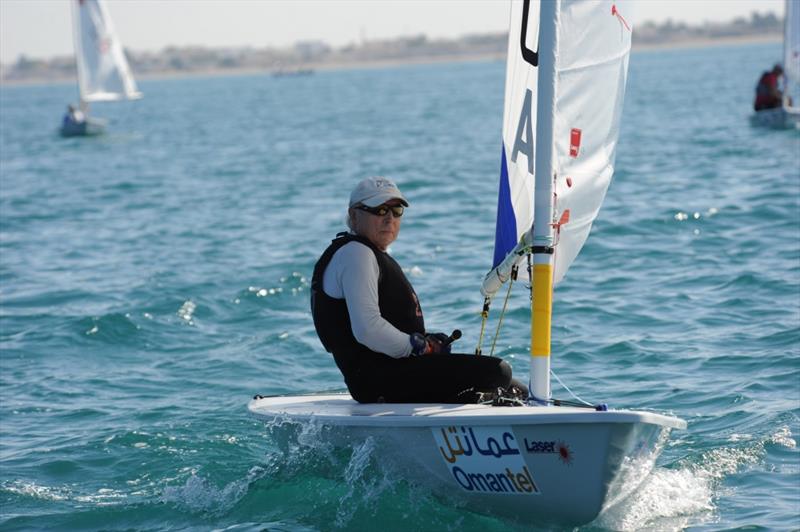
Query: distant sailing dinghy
pixel 540 462
pixel 103 71
pixel 788 115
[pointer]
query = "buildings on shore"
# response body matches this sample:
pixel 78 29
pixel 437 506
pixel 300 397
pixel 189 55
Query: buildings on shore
pixel 309 55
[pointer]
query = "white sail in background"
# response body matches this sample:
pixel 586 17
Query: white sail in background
pixel 593 46
pixel 791 48
pixel 103 71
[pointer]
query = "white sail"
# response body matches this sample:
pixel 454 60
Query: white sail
pixel 515 198
pixel 591 61
pixel 791 47
pixel 103 71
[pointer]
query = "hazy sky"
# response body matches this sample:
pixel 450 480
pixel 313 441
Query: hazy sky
pixel 41 28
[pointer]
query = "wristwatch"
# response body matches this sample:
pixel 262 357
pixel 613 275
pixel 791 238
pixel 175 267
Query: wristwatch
pixel 419 345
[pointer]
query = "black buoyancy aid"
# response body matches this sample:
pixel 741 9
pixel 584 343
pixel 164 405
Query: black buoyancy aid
pixel 397 301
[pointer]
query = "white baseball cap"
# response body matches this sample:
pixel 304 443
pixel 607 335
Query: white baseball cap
pixel 374 191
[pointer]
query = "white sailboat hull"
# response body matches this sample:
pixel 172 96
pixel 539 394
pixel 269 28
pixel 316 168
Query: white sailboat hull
pixel 777 118
pixel 531 464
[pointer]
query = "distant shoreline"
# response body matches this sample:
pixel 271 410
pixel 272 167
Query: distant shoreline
pixel 405 61
pixel 710 43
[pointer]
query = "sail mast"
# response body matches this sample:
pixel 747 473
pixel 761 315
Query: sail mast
pixel 76 44
pixel 791 54
pixel 542 300
pixel 786 57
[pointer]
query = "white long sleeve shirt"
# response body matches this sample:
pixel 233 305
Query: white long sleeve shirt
pixel 352 275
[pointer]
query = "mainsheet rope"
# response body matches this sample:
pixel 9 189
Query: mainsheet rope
pixel 505 306
pixel 485 317
pixel 485 313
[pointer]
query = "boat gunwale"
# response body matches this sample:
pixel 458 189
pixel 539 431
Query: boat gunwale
pixel 355 414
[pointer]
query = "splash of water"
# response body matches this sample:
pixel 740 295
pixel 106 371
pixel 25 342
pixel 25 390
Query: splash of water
pixel 198 495
pixel 674 497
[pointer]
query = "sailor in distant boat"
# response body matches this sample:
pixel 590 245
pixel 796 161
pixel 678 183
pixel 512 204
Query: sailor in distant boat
pixel 368 316
pixel 74 116
pixel 768 93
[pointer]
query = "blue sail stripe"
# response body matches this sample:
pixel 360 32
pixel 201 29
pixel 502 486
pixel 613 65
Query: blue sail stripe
pixel 505 237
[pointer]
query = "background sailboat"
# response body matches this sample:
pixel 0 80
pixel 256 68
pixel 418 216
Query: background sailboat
pixel 102 70
pixel 788 115
pixel 543 462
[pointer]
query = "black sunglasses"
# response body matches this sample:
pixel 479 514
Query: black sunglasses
pixel 381 210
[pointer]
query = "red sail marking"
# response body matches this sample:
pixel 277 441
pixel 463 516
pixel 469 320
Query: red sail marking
pixel 563 220
pixel 557 227
pixel 574 142
pixel 616 13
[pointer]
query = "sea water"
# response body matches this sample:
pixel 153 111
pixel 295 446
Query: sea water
pixel 152 280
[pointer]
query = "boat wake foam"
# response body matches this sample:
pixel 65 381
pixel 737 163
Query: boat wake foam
pixel 676 498
pixel 668 497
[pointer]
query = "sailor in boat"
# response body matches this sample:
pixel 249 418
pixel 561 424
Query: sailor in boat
pixel 368 316
pixel 74 117
pixel 768 93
